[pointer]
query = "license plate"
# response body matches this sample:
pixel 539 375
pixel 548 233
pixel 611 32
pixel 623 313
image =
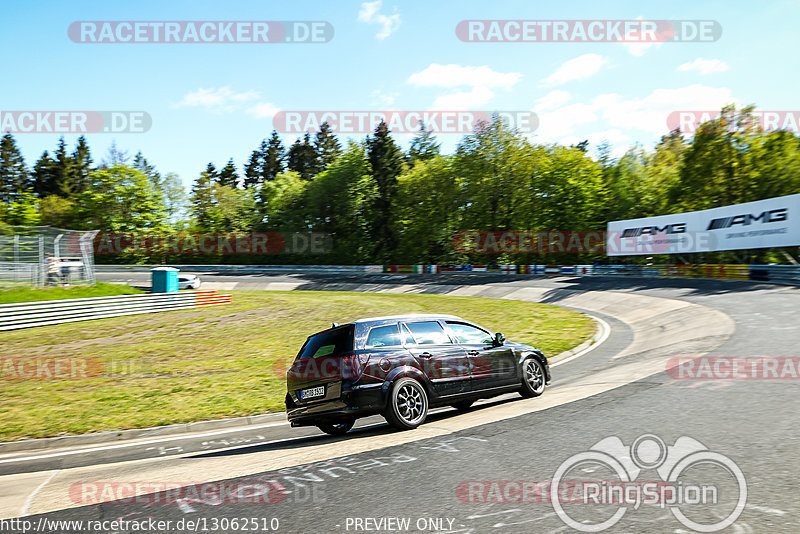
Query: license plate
pixel 311 393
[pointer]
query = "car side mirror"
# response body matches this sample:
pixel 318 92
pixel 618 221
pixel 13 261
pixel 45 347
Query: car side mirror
pixel 498 339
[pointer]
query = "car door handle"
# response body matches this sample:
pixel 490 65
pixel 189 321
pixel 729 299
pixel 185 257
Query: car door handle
pixel 473 353
pixel 426 355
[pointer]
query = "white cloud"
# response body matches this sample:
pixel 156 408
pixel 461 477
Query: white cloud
pixel 704 66
pixel 650 113
pixel 578 68
pixel 463 100
pixel 552 100
pixel 221 99
pixel 379 97
pixel 613 117
pixel 388 23
pixel 436 75
pixel 263 110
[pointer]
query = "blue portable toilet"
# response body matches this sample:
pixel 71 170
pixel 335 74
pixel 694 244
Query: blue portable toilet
pixel 164 280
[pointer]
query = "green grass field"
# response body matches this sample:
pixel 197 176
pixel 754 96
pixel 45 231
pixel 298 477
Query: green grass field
pixel 214 362
pixel 28 294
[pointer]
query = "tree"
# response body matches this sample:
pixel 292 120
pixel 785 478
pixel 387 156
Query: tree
pixel 228 176
pixel 173 197
pixel 303 158
pixel 57 211
pixel 252 170
pixel 14 175
pixel 386 163
pixel 140 163
pixel 326 147
pixel 79 167
pixel 63 170
pixel 120 199
pixel 114 156
pixel 273 155
pixel 44 176
pixel 423 145
pixel 202 200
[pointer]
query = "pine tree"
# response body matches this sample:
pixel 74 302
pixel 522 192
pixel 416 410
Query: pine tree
pixel 80 166
pixel 228 176
pixel 44 176
pixel 14 176
pixel 423 146
pixel 211 172
pixel 63 170
pixel 386 160
pixel 303 158
pixel 140 163
pixel 252 170
pixel 326 146
pixel 273 155
pixel 202 199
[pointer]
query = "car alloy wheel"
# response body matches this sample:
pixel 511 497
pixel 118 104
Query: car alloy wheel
pixel 408 404
pixel 533 383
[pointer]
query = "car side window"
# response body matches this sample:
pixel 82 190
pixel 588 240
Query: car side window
pixel 428 333
pixel 383 336
pixel 470 335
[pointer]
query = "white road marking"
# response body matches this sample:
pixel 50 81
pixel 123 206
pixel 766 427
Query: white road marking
pixel 606 331
pixel 28 502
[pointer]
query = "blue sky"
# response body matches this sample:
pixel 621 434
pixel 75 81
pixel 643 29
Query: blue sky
pixel 211 102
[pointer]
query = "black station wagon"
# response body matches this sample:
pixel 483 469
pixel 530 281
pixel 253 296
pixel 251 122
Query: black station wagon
pixel 400 366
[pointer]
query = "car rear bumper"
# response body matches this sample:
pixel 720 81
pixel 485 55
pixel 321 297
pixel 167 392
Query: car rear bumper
pixel 353 403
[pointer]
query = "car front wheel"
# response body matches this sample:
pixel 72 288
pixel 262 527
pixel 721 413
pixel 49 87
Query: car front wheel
pixel 408 404
pixel 533 381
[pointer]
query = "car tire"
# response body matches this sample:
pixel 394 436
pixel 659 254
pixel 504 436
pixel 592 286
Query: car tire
pixel 463 406
pixel 533 380
pixel 336 429
pixel 408 404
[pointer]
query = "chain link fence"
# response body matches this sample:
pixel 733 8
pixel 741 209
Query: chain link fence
pixel 44 256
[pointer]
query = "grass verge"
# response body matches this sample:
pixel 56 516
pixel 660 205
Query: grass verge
pixel 29 294
pixel 207 363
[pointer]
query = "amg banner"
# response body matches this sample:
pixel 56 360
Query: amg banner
pixel 772 222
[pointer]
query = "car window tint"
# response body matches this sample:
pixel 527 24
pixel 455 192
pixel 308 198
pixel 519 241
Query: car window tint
pixel 428 333
pixel 469 335
pixel 383 336
pixel 335 340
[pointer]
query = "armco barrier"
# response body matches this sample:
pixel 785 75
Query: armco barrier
pixel 244 269
pixel 49 312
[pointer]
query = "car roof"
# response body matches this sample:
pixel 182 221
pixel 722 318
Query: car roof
pixel 408 317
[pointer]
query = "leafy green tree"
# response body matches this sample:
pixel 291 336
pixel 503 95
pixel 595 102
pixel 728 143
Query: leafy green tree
pixel 173 196
pixel 326 147
pixel 282 202
pixel 14 175
pixel 58 212
pixel 140 163
pixel 120 199
pixel 339 200
pixel 302 158
pixel 386 163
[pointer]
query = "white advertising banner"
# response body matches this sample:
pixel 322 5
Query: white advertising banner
pixel 772 222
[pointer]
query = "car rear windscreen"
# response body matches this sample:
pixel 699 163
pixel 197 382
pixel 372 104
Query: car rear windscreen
pixel 333 341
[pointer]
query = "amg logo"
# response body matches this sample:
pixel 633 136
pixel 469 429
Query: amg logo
pixel 747 219
pixel 677 228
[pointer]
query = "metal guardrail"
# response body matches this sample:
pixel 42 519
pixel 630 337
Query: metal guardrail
pixel 49 312
pixel 250 268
